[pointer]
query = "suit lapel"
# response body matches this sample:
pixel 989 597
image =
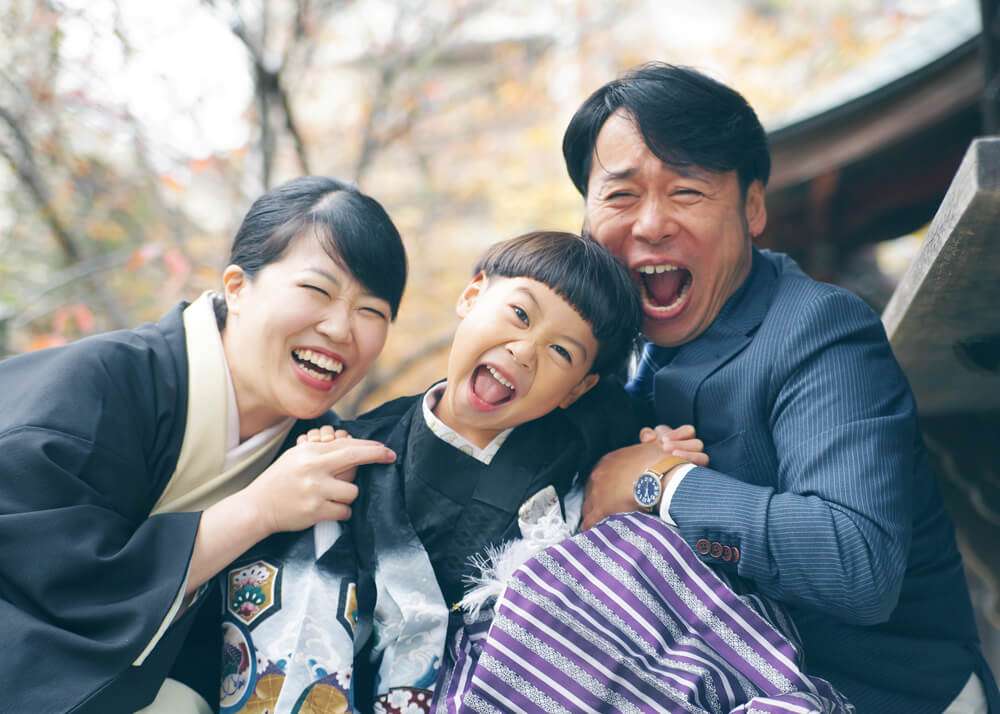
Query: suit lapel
pixel 676 385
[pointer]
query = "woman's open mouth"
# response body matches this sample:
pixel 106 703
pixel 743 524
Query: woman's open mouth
pixel 489 388
pixel 316 369
pixel 665 289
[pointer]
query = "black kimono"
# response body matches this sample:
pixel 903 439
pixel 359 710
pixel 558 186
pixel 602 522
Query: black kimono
pixel 418 522
pixel 90 435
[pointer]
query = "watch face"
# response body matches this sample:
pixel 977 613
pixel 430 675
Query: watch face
pixel 647 490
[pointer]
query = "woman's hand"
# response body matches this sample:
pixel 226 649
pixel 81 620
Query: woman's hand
pixel 310 482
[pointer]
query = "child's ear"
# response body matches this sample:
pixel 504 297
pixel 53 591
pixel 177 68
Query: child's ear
pixel 234 279
pixel 584 386
pixel 472 291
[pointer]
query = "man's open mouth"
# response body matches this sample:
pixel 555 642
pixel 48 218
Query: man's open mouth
pixel 317 365
pixel 491 387
pixel 665 288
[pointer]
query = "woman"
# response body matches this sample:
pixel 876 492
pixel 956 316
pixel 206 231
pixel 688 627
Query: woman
pixel 135 465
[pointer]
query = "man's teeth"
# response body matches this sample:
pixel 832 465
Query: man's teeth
pixel 681 297
pixel 320 360
pixel 653 269
pixel 499 377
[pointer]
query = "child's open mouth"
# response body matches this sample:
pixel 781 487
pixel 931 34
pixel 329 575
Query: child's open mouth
pixel 490 387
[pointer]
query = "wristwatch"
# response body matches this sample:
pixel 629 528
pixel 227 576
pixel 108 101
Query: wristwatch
pixel 648 488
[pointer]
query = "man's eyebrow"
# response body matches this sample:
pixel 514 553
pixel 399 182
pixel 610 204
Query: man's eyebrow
pixel 609 175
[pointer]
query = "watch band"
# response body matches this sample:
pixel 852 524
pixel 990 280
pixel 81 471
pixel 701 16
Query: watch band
pixel 664 465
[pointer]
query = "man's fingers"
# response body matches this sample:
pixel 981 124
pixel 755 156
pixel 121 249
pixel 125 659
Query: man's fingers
pixel 684 444
pixel 685 431
pixel 698 458
pixel 646 435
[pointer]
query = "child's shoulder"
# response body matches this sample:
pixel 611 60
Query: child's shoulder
pixel 375 423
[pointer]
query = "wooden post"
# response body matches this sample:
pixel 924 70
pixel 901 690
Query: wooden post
pixel 944 324
pixel 944 317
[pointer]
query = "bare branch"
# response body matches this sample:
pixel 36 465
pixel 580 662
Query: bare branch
pixel 301 151
pixel 26 170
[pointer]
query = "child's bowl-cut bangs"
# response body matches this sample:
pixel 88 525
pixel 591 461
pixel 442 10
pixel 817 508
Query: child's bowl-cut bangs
pixel 586 276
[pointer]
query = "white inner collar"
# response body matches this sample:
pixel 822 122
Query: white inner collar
pixel 450 436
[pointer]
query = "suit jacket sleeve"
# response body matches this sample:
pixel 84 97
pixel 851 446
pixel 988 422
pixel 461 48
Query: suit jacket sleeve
pixel 830 530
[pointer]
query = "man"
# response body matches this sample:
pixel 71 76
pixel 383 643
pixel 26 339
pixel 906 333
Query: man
pixel 818 490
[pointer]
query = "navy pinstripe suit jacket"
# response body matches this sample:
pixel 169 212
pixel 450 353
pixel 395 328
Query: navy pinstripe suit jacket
pixel 819 479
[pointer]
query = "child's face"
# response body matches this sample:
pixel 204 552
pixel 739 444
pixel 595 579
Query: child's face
pixel 519 352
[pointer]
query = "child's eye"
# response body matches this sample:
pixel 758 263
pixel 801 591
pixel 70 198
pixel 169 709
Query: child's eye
pixel 563 352
pixel 520 313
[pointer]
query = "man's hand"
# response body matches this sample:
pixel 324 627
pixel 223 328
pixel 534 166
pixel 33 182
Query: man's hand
pixel 677 442
pixel 610 486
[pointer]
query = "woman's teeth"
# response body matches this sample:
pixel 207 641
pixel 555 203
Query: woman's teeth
pixel 329 365
pixel 499 377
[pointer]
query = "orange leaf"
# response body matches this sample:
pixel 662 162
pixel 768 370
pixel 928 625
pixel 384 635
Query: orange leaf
pixel 41 342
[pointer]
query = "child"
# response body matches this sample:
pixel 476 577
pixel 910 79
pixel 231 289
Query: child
pixel 545 317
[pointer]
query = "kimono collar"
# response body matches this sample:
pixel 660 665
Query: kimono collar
pixel 452 437
pixel 207 469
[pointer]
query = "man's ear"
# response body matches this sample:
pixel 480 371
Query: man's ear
pixel 755 209
pixel 475 288
pixel 582 387
pixel 234 280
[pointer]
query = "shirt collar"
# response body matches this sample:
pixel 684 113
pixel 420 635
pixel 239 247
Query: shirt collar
pixel 453 438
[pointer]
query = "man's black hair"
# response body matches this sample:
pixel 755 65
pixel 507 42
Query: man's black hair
pixel 586 276
pixel 684 117
pixel 353 228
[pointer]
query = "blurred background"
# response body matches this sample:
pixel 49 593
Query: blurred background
pixel 134 136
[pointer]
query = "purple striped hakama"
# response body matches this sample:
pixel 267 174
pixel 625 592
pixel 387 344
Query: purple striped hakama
pixel 625 617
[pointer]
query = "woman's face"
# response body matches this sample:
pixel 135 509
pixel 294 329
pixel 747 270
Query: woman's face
pixel 299 335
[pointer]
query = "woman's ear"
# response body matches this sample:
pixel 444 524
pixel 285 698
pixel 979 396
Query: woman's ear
pixel 234 279
pixel 475 288
pixel 582 387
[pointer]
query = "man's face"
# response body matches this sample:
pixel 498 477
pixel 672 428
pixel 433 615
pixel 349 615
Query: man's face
pixel 683 233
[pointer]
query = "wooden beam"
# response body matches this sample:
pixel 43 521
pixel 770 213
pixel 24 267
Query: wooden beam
pixel 944 318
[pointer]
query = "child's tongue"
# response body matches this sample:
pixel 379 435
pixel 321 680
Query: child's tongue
pixel 664 287
pixel 487 387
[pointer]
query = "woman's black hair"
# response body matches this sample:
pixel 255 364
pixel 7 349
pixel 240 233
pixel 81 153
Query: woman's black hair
pixel 586 276
pixel 685 118
pixel 353 228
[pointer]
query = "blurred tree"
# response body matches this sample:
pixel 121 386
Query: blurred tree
pixel 449 112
